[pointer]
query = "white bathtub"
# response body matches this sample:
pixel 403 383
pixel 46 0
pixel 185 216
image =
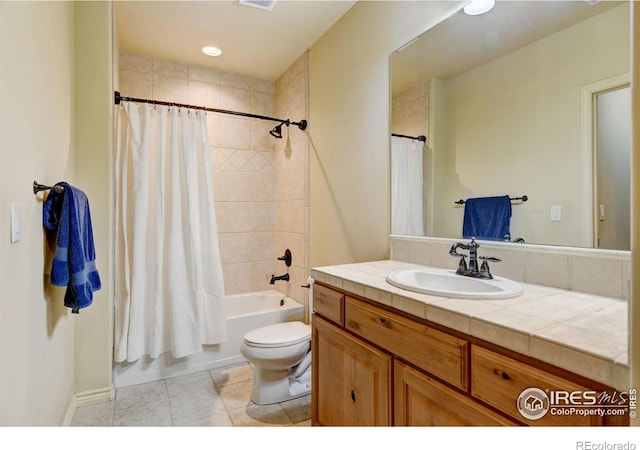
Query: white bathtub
pixel 245 312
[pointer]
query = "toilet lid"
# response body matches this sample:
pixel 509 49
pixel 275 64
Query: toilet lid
pixel 278 335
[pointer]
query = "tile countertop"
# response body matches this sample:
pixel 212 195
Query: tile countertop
pixel 585 334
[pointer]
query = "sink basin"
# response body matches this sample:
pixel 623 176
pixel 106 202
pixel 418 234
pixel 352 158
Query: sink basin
pixel 446 283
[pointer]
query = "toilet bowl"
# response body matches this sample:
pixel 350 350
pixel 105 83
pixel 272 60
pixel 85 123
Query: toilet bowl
pixel 281 358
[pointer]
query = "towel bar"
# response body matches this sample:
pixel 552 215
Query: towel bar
pixel 41 187
pixel 524 198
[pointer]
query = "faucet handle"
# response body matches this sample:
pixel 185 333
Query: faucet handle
pixel 489 258
pixel 485 272
pixel 462 265
pixel 286 257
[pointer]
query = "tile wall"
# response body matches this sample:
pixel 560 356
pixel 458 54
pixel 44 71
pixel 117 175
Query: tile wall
pixel 599 272
pixel 258 215
pixel 292 178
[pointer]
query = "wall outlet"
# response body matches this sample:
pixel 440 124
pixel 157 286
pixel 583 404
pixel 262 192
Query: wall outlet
pixel 555 214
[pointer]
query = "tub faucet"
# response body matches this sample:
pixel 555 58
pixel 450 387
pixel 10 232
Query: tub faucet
pixel 472 270
pixel 274 278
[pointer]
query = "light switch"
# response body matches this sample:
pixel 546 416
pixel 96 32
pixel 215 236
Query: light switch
pixel 556 213
pixel 15 223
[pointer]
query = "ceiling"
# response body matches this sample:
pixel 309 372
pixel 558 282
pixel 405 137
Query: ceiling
pixel 254 42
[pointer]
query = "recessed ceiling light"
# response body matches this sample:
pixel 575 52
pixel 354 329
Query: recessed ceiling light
pixel 210 50
pixel 477 7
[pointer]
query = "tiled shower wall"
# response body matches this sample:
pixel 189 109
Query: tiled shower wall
pixel 256 213
pixel 410 111
pixel 292 178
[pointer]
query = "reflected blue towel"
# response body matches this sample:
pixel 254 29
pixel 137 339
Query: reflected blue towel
pixel 487 218
pixel 74 263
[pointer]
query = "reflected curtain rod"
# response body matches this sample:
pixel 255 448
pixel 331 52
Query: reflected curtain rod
pixel 118 98
pixel 420 138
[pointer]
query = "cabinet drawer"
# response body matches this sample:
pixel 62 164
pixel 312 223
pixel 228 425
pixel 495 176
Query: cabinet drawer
pixel 499 380
pixel 328 303
pixel 439 353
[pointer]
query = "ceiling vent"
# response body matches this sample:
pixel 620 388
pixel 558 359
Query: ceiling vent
pixel 260 4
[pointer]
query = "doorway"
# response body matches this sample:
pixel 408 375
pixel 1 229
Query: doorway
pixel 612 168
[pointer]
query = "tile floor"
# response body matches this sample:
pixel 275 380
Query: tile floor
pixel 217 397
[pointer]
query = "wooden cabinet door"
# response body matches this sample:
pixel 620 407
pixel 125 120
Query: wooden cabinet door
pixel 350 379
pixel 422 401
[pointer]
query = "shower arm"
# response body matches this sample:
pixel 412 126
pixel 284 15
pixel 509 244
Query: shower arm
pixel 302 125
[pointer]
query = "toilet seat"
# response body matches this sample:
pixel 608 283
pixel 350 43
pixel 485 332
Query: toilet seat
pixel 278 335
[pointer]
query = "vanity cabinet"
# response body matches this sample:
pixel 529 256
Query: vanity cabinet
pixel 373 365
pixel 351 379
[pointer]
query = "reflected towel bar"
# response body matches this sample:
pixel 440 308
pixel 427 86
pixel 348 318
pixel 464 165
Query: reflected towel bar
pixel 41 187
pixel 524 198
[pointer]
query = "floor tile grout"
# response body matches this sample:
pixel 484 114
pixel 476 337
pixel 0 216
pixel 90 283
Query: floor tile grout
pixel 183 404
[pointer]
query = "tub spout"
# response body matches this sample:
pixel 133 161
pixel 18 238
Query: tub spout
pixel 284 277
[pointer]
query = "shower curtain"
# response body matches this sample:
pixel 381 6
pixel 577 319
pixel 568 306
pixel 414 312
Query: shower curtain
pixel 169 290
pixel 406 186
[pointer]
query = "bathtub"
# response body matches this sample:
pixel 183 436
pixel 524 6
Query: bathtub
pixel 244 312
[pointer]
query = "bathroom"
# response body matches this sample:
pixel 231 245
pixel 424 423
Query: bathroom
pixel 348 222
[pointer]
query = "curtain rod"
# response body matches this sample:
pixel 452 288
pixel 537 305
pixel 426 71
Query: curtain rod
pixel 420 138
pixel 118 98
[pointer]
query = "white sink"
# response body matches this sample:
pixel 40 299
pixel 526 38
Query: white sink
pixel 446 283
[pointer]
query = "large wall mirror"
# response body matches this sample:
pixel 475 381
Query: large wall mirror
pixel 531 98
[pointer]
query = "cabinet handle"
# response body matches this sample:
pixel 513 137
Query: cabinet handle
pixel 385 322
pixel 353 396
pixel 503 374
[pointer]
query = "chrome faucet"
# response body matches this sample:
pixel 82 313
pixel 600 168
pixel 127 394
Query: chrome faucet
pixel 472 269
pixel 284 277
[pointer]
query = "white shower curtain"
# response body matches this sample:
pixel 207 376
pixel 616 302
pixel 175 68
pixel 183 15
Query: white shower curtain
pixel 169 290
pixel 406 186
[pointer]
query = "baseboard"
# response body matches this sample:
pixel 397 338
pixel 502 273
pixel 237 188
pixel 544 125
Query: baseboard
pixel 134 375
pixel 85 399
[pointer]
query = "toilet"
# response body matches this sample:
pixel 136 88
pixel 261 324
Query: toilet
pixel 281 358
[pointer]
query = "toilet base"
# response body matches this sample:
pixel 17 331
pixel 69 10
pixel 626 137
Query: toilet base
pixel 275 386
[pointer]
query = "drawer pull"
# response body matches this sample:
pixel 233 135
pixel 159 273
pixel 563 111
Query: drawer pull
pixel 504 375
pixel 353 396
pixel 385 322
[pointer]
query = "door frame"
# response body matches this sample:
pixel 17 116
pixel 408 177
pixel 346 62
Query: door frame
pixel 588 204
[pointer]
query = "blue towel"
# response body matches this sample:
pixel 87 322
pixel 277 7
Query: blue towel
pixel 74 263
pixel 487 218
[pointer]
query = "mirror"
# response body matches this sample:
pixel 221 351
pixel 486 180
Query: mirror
pixel 507 102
